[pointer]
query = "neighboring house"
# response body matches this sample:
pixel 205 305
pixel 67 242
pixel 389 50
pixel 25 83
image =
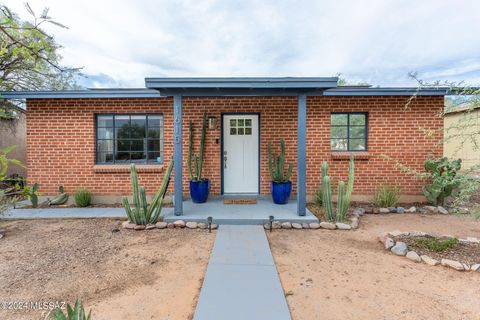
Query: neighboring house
pixel 460 124
pixel 13 132
pixel 87 138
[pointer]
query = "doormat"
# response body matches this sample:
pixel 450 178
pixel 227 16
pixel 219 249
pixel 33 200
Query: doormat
pixel 240 201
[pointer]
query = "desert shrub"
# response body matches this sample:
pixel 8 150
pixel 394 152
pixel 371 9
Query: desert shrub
pixel 319 198
pixel 437 244
pixel 77 313
pixel 443 178
pixel 83 197
pixel 387 196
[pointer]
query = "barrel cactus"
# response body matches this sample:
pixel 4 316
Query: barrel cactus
pixel 344 194
pixel 276 164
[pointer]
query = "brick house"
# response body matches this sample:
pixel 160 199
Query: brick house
pixel 77 138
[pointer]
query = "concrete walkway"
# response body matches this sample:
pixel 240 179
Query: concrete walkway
pixel 64 213
pixel 241 280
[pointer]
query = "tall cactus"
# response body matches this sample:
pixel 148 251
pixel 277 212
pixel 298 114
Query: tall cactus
pixel 142 213
pixel 197 159
pixel 343 202
pixel 276 164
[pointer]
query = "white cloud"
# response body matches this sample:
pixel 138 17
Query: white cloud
pixel 379 41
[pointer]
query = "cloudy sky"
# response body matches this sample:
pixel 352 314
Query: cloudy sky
pixel 118 43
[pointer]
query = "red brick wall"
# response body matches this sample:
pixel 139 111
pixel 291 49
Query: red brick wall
pixel 61 139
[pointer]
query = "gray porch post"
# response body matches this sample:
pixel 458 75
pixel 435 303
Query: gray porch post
pixel 302 155
pixel 177 154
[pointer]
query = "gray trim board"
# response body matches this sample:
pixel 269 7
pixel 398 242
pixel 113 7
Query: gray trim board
pixel 88 93
pixel 398 91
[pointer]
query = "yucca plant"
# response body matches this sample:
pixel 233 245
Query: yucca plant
pixel 83 197
pixel 143 213
pixel 344 193
pixel 77 313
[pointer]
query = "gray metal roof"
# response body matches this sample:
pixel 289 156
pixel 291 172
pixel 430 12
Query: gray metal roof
pixel 87 93
pixel 392 91
pixel 242 86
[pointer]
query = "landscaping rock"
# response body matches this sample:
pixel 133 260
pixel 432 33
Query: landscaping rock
pixel 355 223
pixel 383 237
pixel 397 233
pixel 328 225
pixel 358 212
pixel 343 226
pixel 191 225
pixel 400 210
pixel 429 261
pixel 452 264
pixel 369 210
pixel 305 226
pixel 296 225
pixel 139 227
pixel 466 267
pixel 170 225
pixel 412 210
pixel 423 210
pixel 412 255
pixel 150 227
pixel 276 225
pixel 376 211
pixel 129 225
pixel 431 209
pixel 392 209
pixel 202 225
pixel 389 243
pixel 286 225
pixel 400 248
pixel 161 225
pixel 179 224
pixel 417 233
pixel 314 225
pixel 442 210
pixel 1 235
pixel 214 226
pixel 384 210
pixel 266 226
pixel 469 239
pixel 475 267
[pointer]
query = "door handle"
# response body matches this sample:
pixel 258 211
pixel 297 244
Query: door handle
pixel 225 162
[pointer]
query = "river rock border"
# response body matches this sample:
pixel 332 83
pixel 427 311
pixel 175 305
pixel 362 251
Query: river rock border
pixel 179 224
pixel 400 248
pixel 412 209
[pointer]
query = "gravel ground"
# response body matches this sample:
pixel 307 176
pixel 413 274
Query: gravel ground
pixel 348 275
pixel 126 274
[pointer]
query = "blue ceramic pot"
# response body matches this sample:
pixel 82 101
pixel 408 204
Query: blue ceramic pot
pixel 199 190
pixel 281 192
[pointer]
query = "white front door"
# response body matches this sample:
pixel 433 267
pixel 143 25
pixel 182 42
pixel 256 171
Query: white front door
pixel 240 153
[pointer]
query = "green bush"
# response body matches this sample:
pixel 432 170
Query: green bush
pixel 387 196
pixel 437 244
pixel 77 313
pixel 83 198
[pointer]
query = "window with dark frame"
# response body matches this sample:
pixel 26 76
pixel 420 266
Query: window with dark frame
pixel 129 138
pixel 348 131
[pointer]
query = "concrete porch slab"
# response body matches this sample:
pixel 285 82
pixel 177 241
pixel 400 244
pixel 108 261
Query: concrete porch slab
pixel 237 214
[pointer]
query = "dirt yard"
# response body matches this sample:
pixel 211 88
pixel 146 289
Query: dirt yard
pixel 124 275
pixel 348 275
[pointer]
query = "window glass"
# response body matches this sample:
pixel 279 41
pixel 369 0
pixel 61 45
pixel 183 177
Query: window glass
pixel 130 138
pixel 348 131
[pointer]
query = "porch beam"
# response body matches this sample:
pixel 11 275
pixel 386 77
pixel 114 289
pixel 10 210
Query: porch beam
pixel 302 155
pixel 177 154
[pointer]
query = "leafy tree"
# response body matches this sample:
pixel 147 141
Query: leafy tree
pixel 29 57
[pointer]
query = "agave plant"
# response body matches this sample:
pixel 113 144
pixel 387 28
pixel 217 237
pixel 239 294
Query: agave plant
pixel 77 313
pixel 143 213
